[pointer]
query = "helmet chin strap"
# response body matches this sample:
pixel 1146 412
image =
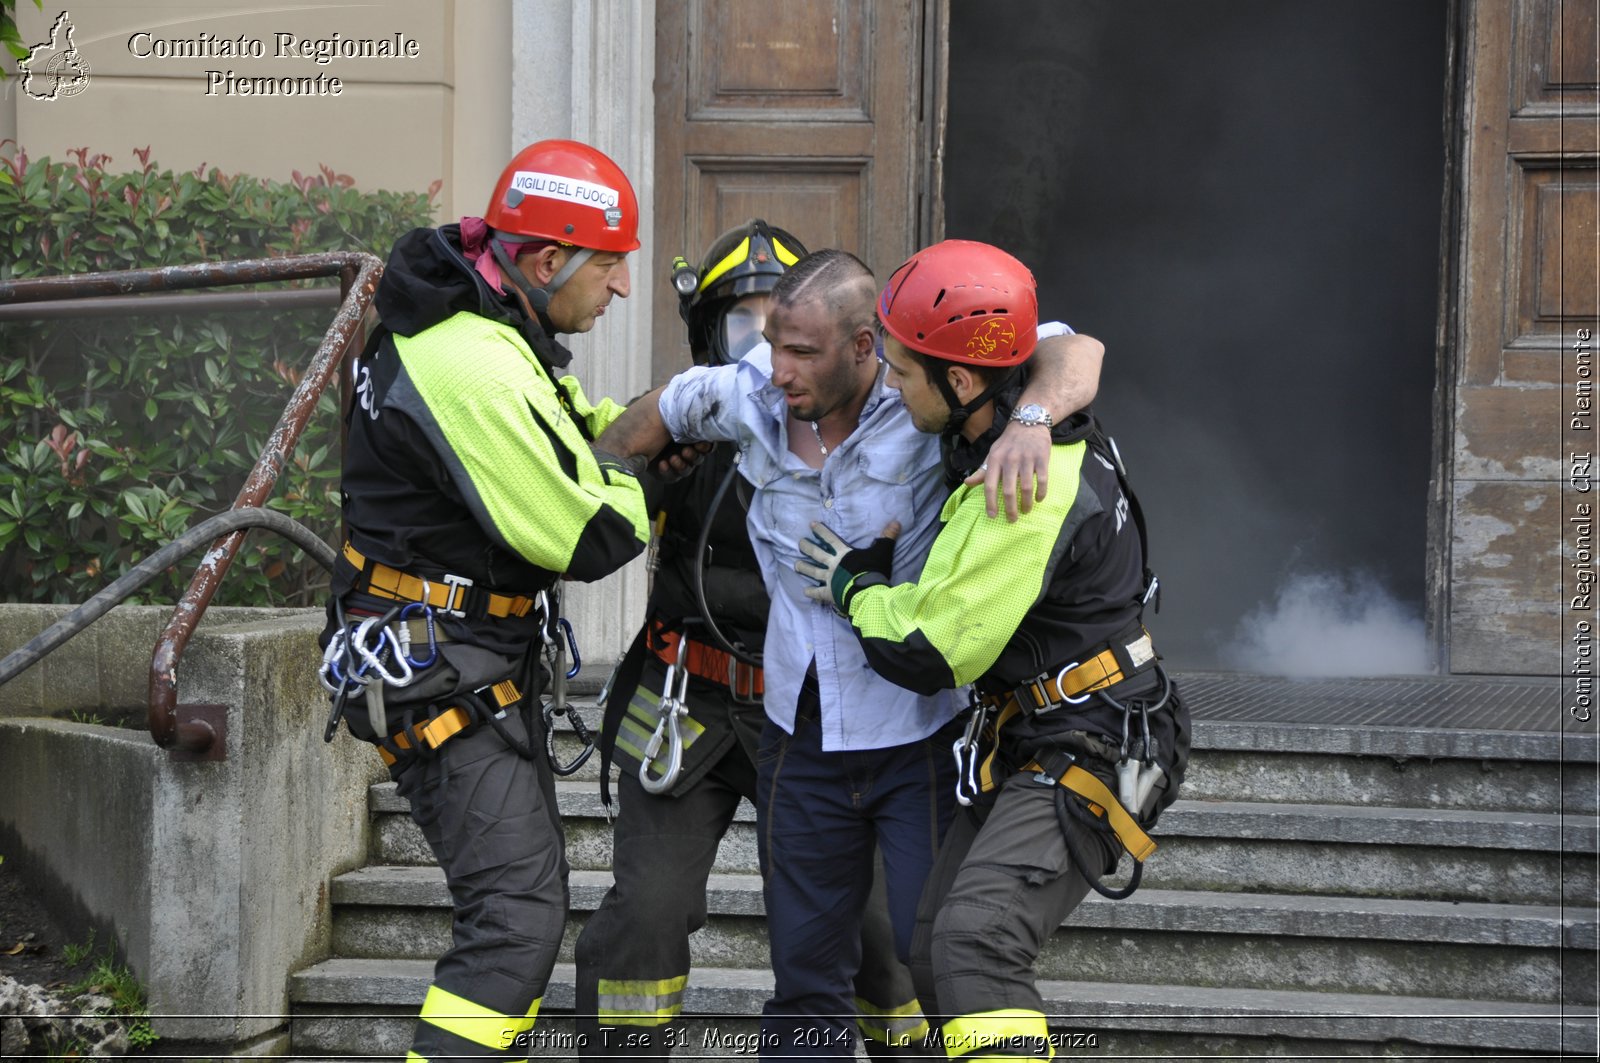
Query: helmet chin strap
pixel 959 411
pixel 539 298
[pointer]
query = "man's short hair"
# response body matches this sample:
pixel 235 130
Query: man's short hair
pixel 837 278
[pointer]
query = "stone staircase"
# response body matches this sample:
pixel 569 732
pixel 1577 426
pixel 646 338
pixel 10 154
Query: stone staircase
pixel 1321 890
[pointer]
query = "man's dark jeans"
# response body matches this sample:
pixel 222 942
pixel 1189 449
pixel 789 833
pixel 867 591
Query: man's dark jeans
pixel 819 815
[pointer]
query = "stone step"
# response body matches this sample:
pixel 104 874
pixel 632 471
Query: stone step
pixel 367 1007
pixel 1336 944
pixel 1258 847
pixel 1330 764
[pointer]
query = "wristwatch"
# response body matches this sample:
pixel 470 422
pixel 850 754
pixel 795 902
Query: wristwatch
pixel 1032 415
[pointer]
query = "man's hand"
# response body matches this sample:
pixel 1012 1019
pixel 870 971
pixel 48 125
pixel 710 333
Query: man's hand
pixel 638 431
pixel 1017 468
pixel 840 570
pixel 678 460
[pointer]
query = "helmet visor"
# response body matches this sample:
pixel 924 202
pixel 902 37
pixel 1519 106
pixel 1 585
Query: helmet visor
pixel 741 326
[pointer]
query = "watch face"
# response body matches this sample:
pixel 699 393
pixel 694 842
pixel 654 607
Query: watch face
pixel 1032 413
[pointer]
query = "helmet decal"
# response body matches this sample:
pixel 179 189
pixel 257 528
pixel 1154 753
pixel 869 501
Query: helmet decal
pixel 995 338
pixel 733 258
pixel 567 189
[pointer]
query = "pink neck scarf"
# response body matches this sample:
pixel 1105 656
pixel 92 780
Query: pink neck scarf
pixel 475 238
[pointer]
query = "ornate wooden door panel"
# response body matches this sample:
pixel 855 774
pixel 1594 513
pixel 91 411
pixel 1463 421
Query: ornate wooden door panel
pixel 808 113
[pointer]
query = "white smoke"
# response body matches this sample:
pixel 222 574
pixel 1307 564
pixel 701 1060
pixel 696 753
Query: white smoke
pixel 1325 624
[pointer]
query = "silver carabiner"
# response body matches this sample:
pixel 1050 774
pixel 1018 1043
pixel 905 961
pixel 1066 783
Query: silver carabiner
pixel 672 709
pixel 965 750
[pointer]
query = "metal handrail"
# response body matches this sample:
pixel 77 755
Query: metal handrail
pixel 202 734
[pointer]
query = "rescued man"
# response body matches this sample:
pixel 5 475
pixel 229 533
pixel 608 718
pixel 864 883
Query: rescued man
pixel 846 759
pixel 699 653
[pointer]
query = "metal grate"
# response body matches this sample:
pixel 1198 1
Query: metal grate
pixel 1454 702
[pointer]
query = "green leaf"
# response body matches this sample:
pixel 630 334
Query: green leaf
pixel 150 409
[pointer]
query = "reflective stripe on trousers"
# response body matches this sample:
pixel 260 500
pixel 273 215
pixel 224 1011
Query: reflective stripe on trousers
pixel 1012 1035
pixel 1002 885
pixel 490 818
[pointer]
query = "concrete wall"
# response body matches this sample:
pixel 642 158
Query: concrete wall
pixel 212 876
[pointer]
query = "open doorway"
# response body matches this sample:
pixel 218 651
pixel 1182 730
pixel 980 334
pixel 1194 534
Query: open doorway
pixel 1242 199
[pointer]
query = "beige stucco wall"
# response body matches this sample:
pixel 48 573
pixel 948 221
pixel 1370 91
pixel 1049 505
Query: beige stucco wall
pixel 441 113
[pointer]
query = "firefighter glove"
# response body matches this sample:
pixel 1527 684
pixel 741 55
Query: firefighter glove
pixel 842 570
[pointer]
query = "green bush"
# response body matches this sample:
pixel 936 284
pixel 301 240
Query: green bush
pixel 117 433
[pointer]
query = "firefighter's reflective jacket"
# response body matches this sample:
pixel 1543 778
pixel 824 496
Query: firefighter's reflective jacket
pixel 467 457
pixel 1007 605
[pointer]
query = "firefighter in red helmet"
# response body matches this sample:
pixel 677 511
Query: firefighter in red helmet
pixel 471 487
pixel 1077 739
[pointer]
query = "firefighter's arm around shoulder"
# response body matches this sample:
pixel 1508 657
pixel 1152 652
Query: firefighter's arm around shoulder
pixel 981 578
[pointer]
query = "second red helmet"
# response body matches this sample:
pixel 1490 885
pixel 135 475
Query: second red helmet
pixel 568 192
pixel 963 301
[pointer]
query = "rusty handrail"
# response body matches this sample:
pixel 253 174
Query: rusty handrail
pixel 201 736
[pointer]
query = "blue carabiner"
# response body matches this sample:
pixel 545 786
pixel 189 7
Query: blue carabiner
pixel 433 641
pixel 572 645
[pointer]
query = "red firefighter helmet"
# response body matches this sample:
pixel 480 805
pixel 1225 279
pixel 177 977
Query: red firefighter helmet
pixel 568 192
pixel 963 301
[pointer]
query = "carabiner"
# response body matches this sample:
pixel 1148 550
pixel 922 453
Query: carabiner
pixel 551 711
pixel 372 657
pixel 572 646
pixel 965 750
pixel 672 709
pixel 405 634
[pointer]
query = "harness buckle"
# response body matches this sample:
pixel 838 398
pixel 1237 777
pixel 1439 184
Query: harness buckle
pixel 461 583
pixel 1061 686
pixel 742 682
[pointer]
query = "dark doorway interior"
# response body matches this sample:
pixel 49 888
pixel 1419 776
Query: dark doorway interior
pixel 1241 198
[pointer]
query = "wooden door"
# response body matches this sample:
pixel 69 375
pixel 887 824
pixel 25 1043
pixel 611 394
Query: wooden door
pixel 1518 342
pixel 811 114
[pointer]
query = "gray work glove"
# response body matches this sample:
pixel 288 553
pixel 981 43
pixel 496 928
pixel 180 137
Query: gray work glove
pixel 842 570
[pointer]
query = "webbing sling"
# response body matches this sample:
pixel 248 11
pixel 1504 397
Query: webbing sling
pixel 707 661
pixel 1102 802
pixel 1123 658
pixel 433 733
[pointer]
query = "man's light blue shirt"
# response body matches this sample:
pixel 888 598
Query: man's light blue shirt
pixel 885 470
